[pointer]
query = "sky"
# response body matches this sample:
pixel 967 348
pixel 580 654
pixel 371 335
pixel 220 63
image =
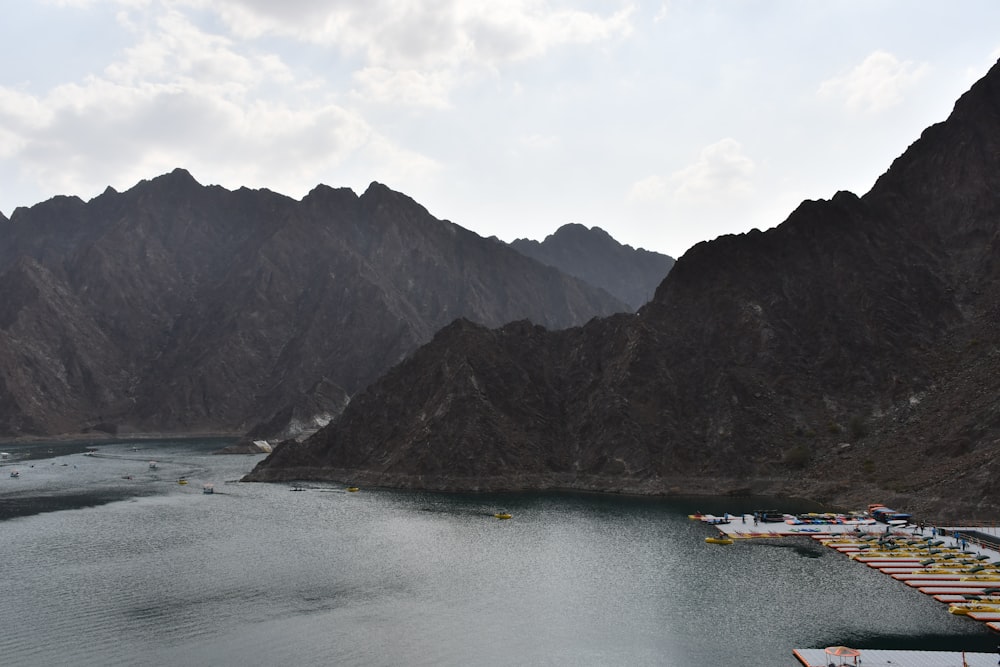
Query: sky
pixel 665 123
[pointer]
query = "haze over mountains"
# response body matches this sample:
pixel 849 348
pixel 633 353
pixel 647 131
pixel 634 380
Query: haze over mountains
pixel 850 354
pixel 175 307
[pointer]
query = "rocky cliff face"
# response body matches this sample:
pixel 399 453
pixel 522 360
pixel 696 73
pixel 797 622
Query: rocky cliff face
pixel 592 255
pixel 177 307
pixel 851 354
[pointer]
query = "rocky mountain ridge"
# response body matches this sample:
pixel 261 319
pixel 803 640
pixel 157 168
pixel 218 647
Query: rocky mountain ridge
pixel 850 354
pixel 631 274
pixel 175 307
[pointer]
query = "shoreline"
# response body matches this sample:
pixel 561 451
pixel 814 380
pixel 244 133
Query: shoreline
pixel 822 491
pixel 116 438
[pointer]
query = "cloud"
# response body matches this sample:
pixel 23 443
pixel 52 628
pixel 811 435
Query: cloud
pixel 408 87
pixel 425 47
pixel 875 85
pixel 183 97
pixel 721 171
pixel 409 32
pixel 662 13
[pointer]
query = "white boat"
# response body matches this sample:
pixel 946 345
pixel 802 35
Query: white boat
pixel 15 473
pixel 208 488
pixel 152 465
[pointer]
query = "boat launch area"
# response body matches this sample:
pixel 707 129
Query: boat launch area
pixel 959 566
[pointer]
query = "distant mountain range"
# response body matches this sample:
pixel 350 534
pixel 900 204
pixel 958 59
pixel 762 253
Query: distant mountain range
pixel 592 255
pixel 851 355
pixel 175 307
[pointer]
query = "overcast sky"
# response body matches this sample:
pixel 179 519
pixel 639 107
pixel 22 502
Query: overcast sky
pixel 664 123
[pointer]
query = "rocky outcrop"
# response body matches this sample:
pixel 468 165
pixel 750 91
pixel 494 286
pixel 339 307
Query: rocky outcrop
pixel 594 256
pixel 850 354
pixel 175 307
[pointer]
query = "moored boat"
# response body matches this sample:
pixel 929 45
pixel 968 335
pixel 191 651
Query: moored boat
pixel 964 608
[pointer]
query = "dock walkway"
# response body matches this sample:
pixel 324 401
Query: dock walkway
pixel 951 564
pixel 816 657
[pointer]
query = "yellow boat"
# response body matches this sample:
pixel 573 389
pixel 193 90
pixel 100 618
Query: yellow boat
pixel 503 515
pixel 182 481
pixel 352 489
pixel 719 540
pixel 963 608
pixel 942 570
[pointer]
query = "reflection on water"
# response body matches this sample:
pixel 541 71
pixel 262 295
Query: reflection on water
pixel 257 575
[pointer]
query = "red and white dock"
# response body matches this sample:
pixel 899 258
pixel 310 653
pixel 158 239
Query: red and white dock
pixel 817 657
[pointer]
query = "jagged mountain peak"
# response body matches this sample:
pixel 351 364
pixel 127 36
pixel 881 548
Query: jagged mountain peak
pixel 58 206
pixel 382 198
pixel 177 177
pixel 595 257
pixel 222 306
pixel 178 181
pixel 578 231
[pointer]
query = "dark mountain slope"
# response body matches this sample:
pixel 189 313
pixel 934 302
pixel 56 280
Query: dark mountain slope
pixel 177 307
pixel 851 354
pixel 592 255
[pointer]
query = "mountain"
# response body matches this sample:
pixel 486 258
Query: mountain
pixel 176 307
pixel 592 255
pixel 851 355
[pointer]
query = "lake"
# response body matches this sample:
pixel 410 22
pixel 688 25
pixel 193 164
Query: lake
pixel 109 562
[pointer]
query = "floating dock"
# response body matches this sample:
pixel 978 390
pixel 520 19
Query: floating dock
pixel 942 563
pixel 817 657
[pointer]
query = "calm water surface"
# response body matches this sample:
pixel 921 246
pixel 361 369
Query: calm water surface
pixel 103 570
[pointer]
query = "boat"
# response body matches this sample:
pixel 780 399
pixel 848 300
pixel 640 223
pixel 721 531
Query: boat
pixel 963 608
pixel 182 481
pixel 353 489
pixel 208 488
pixel 15 473
pixel 152 465
pixel 503 515
pixel 719 540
